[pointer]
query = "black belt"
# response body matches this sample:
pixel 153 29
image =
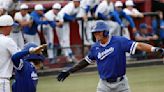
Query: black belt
pixel 112 80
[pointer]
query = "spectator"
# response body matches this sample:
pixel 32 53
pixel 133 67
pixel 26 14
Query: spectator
pixel 51 16
pixel 104 9
pixel 118 16
pixel 67 14
pixel 155 28
pixel 143 34
pixel 38 19
pixel 133 12
pixel 87 9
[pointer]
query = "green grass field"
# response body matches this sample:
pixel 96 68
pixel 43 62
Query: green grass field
pixel 141 79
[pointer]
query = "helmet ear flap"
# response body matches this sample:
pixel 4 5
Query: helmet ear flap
pixel 105 33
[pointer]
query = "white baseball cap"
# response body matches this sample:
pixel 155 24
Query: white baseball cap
pixel 56 6
pixel 38 7
pixel 129 3
pixel 6 20
pixel 118 4
pixel 23 6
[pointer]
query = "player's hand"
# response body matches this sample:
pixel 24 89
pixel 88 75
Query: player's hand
pixel 63 75
pixel 38 49
pixel 159 51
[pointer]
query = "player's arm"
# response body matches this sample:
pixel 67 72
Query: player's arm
pixel 17 57
pixel 149 48
pixel 65 73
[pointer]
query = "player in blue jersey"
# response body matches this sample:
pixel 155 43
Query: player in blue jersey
pixel 109 54
pixel 26 62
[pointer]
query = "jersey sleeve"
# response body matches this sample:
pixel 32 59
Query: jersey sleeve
pixel 128 45
pixel 17 16
pixel 12 47
pixel 18 59
pixel 90 57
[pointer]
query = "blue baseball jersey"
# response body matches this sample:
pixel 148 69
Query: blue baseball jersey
pixel 111 58
pixel 26 77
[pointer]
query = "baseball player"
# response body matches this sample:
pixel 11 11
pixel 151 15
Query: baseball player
pixel 48 30
pixel 8 48
pixel 118 16
pixel 26 62
pixel 133 12
pixel 109 54
pixel 23 19
pixel 87 9
pixel 67 14
pixel 104 9
pixel 38 19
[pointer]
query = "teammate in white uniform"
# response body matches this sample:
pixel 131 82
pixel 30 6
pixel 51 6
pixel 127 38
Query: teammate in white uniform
pixel 130 10
pixel 67 14
pixel 87 9
pixel 48 30
pixel 8 48
pixel 103 12
pixel 23 18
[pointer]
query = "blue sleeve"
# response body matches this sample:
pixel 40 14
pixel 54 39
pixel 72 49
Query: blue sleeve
pixel 37 20
pixel 102 16
pixel 116 17
pixel 17 58
pixel 129 19
pixel 52 24
pixel 129 46
pixel 94 8
pixel 68 17
pixel 154 26
pixel 87 9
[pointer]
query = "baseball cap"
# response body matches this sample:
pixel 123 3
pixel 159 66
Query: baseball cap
pixel 143 25
pixel 118 4
pixel 23 6
pixel 129 3
pixel 6 20
pixel 38 7
pixel 56 6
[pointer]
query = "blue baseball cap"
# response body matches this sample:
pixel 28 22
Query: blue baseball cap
pixel 143 25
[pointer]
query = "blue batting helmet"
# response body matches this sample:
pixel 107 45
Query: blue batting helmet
pixel 101 26
pixel 33 56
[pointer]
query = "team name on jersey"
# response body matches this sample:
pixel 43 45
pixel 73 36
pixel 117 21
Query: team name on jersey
pixel 106 52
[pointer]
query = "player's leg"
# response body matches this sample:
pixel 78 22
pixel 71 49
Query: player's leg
pixel 20 40
pixel 29 38
pixel 114 28
pixel 103 86
pixel 123 86
pixel 4 85
pixel 37 39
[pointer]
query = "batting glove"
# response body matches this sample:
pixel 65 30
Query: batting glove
pixel 63 75
pixel 159 51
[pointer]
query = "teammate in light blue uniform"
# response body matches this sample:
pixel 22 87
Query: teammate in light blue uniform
pixel 26 62
pixel 109 54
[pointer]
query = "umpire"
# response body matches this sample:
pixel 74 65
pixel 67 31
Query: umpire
pixel 109 54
